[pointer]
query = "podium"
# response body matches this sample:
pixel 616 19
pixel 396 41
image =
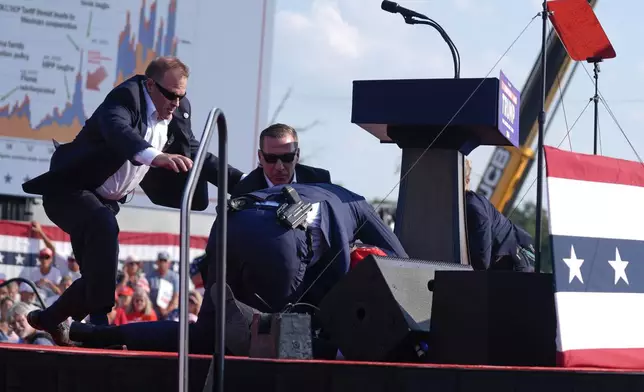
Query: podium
pixel 436 122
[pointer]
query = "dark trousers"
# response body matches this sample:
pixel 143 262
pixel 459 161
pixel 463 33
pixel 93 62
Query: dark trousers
pixel 163 336
pixel 265 260
pixel 91 224
pixel 160 336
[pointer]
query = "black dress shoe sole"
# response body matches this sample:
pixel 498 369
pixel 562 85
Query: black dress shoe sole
pixel 59 333
pixel 34 320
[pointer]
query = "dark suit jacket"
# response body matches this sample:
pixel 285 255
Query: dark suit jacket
pixel 342 213
pixel 490 234
pixel 113 135
pixel 255 180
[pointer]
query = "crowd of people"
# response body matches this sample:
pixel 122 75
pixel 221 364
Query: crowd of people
pixel 290 234
pixel 138 296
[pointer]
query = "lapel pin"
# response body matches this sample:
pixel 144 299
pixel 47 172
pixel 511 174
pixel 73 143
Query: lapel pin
pixel 186 115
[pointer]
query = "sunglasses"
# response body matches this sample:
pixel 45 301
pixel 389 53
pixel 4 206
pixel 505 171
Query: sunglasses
pixel 169 95
pixel 286 158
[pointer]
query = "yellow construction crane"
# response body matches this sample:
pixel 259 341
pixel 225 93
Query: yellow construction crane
pixel 508 166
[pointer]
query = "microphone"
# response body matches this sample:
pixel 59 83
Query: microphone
pixel 394 8
pixel 409 16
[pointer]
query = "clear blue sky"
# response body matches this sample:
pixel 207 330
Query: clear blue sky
pixel 321 46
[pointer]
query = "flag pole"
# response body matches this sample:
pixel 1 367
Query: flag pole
pixel 542 121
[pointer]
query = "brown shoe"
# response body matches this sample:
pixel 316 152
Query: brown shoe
pixel 239 318
pixel 59 333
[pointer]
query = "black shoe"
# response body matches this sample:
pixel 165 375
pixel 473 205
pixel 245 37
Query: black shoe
pixel 59 333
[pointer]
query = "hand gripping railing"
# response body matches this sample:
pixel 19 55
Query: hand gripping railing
pixel 215 116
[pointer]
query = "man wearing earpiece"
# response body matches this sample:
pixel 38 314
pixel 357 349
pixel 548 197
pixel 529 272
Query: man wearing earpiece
pixel 279 155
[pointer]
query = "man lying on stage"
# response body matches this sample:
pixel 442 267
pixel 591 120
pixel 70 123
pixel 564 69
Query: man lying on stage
pixel 280 248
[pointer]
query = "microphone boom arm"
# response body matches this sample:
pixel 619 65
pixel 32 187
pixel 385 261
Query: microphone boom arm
pixel 456 56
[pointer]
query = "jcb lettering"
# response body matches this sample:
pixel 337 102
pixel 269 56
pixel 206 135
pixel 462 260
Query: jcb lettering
pixel 494 172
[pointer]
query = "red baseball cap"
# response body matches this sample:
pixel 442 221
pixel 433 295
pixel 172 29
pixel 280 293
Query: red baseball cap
pixel 126 291
pixel 45 253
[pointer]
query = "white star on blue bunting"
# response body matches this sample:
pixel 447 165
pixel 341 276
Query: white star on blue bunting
pixel 619 266
pixel 575 266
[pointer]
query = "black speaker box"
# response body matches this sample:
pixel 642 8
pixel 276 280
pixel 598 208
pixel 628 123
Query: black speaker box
pixel 493 318
pixel 380 310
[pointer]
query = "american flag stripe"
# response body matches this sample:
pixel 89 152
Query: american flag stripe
pixel 596 210
pixel 142 250
pixel 19 247
pixel 616 358
pixel 592 320
pixel 594 168
pixel 21 229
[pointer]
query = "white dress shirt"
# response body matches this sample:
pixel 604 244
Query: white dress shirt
pixel 128 177
pixel 313 218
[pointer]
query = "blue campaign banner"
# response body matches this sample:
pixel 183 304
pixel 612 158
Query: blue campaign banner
pixel 509 104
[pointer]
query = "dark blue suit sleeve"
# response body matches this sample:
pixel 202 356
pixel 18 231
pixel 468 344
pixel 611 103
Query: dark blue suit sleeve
pixel 116 119
pixel 479 234
pixel 326 176
pixel 371 230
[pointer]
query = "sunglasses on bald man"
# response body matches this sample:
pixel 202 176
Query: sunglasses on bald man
pixel 286 158
pixel 169 95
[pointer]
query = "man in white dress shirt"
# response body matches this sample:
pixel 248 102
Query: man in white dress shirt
pixel 129 135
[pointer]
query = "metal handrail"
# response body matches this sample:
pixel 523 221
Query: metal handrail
pixel 30 284
pixel 216 116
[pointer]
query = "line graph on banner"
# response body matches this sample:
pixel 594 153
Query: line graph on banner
pixel 100 59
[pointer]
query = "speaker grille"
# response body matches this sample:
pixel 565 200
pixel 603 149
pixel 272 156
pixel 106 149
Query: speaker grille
pixel 409 281
pixel 381 307
pixel 442 265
